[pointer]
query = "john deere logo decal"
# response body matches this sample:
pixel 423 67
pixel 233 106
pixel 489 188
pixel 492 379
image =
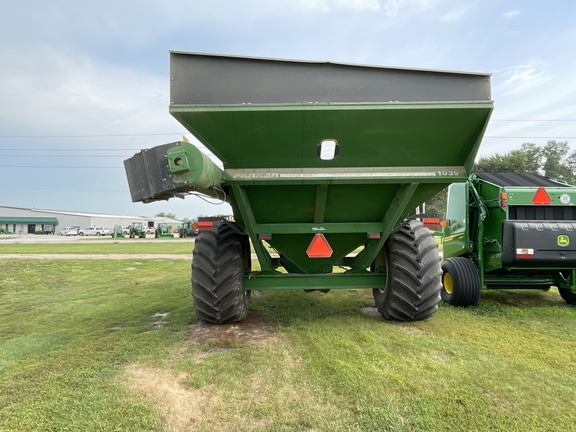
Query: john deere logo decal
pixel 563 240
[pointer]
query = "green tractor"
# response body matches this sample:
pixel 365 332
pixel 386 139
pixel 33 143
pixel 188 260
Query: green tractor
pixel 137 230
pixel 118 232
pixel 46 230
pixel 163 231
pixel 509 231
pixel 188 229
pixel 4 231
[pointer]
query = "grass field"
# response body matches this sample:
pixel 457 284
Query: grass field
pixel 119 247
pixel 114 345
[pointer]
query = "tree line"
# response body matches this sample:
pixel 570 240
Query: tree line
pixel 554 160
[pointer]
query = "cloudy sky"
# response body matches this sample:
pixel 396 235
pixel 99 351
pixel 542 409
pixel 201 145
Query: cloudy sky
pixel 84 85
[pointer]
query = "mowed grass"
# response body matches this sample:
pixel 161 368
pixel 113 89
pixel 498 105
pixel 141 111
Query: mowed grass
pixel 113 345
pixel 117 247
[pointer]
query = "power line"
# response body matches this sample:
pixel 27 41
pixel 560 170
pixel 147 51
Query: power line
pixel 65 156
pixel 530 137
pixel 63 190
pixel 91 136
pixel 58 167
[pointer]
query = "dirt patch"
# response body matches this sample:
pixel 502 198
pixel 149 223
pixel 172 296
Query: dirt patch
pixel 371 311
pixel 181 407
pixel 252 330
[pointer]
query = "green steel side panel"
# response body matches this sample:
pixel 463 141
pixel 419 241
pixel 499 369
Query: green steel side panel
pixel 565 196
pixel 368 136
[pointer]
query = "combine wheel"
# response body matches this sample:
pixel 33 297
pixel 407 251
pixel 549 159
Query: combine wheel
pixel 461 283
pixel 568 295
pixel 413 271
pixel 218 262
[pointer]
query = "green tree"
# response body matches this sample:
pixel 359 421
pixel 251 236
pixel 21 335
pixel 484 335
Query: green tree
pixel 554 160
pixel 558 160
pixel 166 215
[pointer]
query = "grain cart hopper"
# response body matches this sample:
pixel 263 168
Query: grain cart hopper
pixel 322 162
pixel 506 230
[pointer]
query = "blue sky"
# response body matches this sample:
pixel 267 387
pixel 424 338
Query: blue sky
pixel 84 85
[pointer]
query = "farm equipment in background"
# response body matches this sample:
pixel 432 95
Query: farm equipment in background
pixel 187 230
pixel 509 231
pixel 137 229
pixel 163 231
pixel 4 231
pixel 320 160
pixel 118 232
pixel 46 230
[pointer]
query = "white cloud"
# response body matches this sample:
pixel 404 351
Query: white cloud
pixel 519 78
pixel 393 7
pixel 79 96
pixel 454 16
pixel 328 5
pixel 510 14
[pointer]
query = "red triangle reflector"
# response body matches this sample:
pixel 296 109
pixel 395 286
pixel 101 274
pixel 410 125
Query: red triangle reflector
pixel 541 197
pixel 319 247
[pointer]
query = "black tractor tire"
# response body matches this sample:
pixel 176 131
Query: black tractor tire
pixel 218 262
pixel 569 296
pixel 460 282
pixel 412 291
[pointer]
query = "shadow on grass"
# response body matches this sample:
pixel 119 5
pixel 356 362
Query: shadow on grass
pixel 287 307
pixel 523 298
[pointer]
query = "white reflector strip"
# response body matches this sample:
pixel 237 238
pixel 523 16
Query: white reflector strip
pixel 524 253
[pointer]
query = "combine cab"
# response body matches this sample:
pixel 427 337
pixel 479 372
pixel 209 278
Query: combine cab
pixel 322 163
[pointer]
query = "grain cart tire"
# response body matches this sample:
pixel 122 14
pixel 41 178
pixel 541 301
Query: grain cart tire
pixel 413 271
pixel 568 296
pixel 218 263
pixel 460 282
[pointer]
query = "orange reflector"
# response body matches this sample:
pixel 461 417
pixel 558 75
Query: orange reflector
pixel 195 226
pixel 319 247
pixel 442 223
pixel 205 225
pixel 431 222
pixel 541 197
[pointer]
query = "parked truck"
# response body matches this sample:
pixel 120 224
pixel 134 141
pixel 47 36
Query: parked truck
pixel 322 162
pixel 509 231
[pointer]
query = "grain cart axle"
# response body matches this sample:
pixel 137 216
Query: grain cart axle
pixel 322 163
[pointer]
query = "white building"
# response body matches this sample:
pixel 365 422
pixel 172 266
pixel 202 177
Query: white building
pixel 28 220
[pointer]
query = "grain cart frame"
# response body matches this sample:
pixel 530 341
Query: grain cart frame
pixel 509 231
pixel 322 163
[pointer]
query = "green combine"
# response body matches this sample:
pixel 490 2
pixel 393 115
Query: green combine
pixel 322 163
pixel 509 231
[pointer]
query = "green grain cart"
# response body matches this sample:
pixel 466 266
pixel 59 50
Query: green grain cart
pixel 322 164
pixel 509 231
